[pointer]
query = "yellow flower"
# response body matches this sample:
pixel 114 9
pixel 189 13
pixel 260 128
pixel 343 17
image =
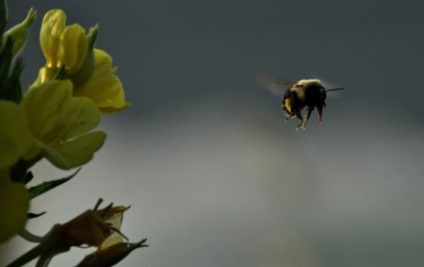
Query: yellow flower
pixel 89 69
pixel 104 87
pixel 15 138
pixel 50 123
pixel 61 123
pixel 14 204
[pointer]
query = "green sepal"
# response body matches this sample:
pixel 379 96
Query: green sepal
pixel 5 63
pixel 15 80
pixel 47 186
pixel 19 173
pixel 10 85
pixel 60 74
pixel 28 177
pixel 13 87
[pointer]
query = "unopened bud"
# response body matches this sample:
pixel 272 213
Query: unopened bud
pixel 111 255
pixel 19 32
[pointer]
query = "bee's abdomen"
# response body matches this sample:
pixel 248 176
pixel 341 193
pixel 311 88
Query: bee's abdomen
pixel 314 95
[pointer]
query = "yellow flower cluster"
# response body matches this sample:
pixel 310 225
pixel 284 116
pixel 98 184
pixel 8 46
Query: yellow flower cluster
pixel 57 115
pixel 89 69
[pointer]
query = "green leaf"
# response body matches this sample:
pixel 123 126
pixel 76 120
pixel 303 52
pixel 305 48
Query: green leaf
pixel 47 186
pixel 32 215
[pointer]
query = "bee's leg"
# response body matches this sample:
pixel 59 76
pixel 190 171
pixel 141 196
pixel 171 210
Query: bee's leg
pixel 300 126
pixel 298 115
pixel 288 117
pixel 305 119
pixel 308 115
pixel 302 120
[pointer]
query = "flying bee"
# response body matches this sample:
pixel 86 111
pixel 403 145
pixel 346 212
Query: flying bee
pixel 306 93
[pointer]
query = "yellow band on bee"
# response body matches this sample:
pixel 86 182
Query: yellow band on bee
pixel 288 105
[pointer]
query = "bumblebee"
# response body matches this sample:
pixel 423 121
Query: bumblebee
pixel 306 93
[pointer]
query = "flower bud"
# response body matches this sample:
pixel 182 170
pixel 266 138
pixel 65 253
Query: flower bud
pixel 111 255
pixel 19 32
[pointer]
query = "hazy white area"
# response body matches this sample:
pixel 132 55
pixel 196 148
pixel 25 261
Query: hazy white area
pixel 212 186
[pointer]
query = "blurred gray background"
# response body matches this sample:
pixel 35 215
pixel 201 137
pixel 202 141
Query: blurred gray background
pixel 213 175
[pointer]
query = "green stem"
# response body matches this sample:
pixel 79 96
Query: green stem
pixel 30 237
pixel 46 250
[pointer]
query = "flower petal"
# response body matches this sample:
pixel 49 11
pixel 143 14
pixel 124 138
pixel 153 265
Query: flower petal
pixel 76 152
pixel 104 87
pixel 14 204
pixel 74 47
pixel 44 74
pixel 15 139
pixel 55 116
pixel 50 36
pixel 114 216
pixel 61 122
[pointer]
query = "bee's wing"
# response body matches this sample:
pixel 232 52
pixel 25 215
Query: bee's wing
pixel 276 85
